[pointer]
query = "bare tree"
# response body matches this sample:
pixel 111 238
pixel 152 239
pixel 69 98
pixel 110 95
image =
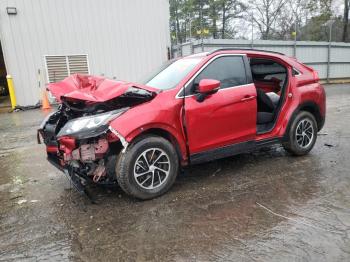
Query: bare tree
pixel 293 15
pixel 175 18
pixel 230 9
pixel 265 14
pixel 285 24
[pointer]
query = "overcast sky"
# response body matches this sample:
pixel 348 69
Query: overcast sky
pixel 244 27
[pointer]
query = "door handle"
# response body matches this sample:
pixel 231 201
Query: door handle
pixel 247 98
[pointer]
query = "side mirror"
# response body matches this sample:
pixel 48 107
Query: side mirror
pixel 207 87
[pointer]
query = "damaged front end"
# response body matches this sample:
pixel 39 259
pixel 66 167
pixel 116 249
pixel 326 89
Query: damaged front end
pixel 78 138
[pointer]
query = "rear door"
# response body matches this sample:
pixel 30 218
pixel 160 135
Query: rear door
pixel 226 117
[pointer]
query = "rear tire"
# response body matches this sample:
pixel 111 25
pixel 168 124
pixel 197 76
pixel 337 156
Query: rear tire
pixel 148 168
pixel 302 134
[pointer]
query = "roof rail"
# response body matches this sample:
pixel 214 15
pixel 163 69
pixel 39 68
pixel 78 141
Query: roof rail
pixel 246 49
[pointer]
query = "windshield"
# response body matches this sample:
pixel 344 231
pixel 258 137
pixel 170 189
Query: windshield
pixel 172 73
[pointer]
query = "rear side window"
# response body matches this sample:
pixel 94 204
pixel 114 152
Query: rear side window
pixel 229 70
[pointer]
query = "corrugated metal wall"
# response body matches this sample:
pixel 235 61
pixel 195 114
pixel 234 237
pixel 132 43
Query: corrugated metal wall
pixel 314 54
pixel 123 39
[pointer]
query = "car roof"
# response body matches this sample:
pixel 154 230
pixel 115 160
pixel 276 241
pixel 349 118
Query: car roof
pixel 197 55
pixel 238 51
pixel 243 50
pixel 259 52
pixel 246 51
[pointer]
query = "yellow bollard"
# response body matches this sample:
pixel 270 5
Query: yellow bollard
pixel 11 91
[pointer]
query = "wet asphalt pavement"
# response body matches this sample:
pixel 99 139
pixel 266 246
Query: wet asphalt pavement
pixel 264 206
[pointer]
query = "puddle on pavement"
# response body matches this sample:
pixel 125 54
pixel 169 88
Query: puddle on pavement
pixel 265 206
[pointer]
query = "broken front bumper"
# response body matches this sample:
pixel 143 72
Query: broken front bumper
pixel 77 182
pixel 83 159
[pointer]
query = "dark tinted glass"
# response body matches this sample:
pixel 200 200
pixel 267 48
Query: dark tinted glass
pixel 229 70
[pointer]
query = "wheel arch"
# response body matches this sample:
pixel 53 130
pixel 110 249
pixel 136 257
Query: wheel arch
pixel 308 106
pixel 165 133
pixel 314 109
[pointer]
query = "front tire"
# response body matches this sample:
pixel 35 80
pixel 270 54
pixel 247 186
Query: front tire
pixel 302 134
pixel 148 168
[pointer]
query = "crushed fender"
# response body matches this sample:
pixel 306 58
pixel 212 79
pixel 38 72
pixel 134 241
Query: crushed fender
pixel 84 149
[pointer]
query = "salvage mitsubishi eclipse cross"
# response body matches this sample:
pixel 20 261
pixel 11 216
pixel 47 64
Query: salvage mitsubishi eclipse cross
pixel 195 109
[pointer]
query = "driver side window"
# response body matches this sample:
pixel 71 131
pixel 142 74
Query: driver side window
pixel 229 70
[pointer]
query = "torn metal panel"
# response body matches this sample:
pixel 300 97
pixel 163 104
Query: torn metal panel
pixel 92 88
pixel 121 138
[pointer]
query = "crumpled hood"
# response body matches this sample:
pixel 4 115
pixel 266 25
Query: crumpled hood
pixel 92 88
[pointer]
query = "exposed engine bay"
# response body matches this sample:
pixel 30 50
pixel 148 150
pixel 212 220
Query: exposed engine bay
pixel 78 138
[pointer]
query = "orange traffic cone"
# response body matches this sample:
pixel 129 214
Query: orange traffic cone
pixel 45 102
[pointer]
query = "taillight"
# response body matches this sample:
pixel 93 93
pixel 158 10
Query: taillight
pixel 316 78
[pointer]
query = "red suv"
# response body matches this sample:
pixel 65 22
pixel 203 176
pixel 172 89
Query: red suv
pixel 194 109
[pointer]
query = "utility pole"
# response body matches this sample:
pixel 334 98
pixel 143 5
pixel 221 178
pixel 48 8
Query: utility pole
pixel 177 41
pixel 201 23
pixel 295 36
pixel 252 43
pixel 329 51
pixel 330 24
pixel 346 20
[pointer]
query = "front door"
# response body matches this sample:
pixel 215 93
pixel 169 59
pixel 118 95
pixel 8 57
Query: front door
pixel 226 117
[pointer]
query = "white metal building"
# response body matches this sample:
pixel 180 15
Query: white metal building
pixel 46 40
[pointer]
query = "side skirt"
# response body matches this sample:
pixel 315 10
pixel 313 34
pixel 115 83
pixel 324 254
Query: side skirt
pixel 231 150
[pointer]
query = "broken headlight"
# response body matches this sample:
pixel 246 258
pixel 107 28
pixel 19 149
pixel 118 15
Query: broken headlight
pixel 89 126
